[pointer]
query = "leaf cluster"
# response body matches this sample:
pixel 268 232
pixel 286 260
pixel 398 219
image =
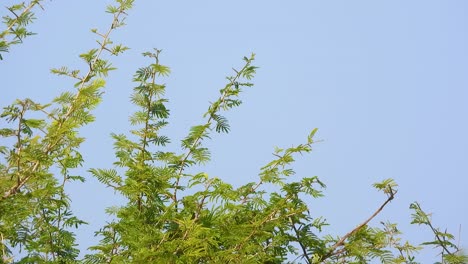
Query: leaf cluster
pixel 19 16
pixel 40 149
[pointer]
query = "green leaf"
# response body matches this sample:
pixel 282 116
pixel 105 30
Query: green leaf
pixel 161 70
pixel 34 123
pixel 89 56
pixel 222 124
pixel 7 132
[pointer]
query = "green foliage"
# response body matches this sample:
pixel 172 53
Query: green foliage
pixel 174 213
pixel 450 252
pixel 35 211
pixel 19 16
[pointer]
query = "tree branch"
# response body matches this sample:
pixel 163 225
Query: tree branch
pixel 303 247
pixel 50 147
pixel 221 100
pixel 341 242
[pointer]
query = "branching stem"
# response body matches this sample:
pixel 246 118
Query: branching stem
pixel 341 242
pixel 51 146
pixel 221 100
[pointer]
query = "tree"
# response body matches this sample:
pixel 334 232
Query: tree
pixel 173 212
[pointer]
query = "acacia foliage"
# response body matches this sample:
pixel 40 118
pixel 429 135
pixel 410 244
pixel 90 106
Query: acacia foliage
pixel 173 213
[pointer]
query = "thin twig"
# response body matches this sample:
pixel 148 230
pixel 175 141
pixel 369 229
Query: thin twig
pixel 304 249
pixel 29 7
pixel 331 252
pixel 441 242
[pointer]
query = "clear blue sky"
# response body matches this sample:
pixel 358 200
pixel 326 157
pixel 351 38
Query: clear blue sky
pixel 384 81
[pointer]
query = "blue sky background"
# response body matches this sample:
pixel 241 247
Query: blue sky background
pixel 384 81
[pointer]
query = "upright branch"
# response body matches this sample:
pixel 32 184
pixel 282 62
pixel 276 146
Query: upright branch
pixel 274 171
pixel 74 112
pixel 19 133
pixel 136 155
pixel 226 100
pixel 153 114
